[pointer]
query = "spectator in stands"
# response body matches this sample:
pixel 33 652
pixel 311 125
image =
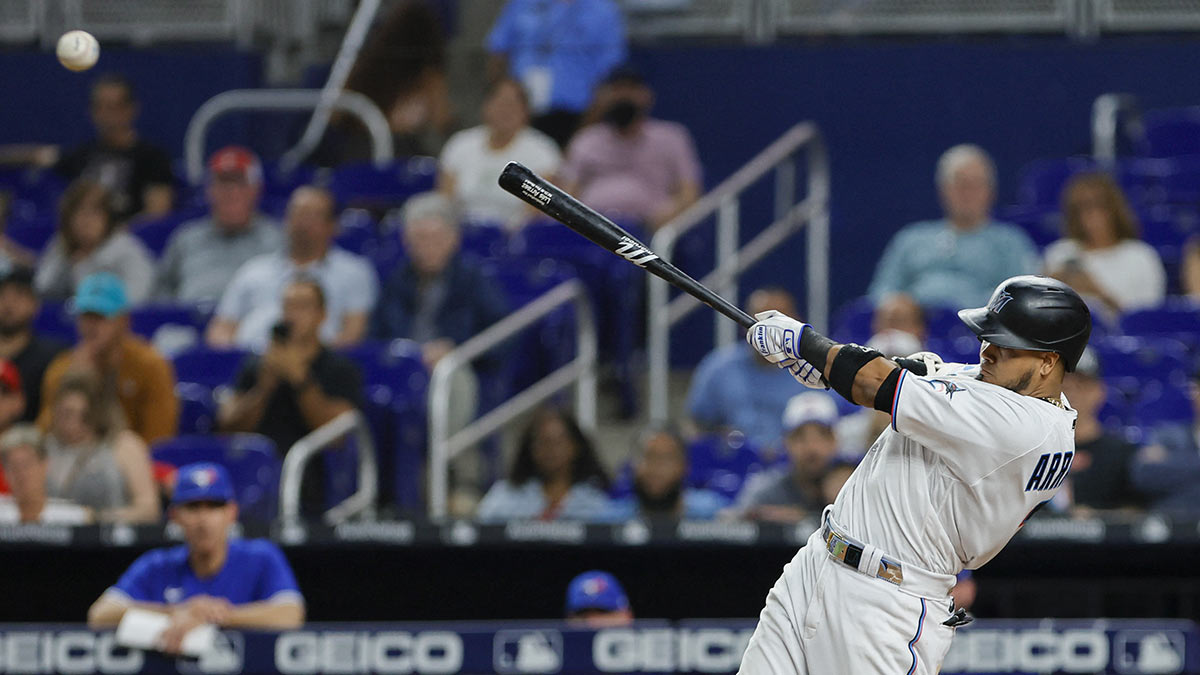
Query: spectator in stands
pixel 1100 470
pixel 130 371
pixel 1167 470
pixel 136 172
pixel 732 388
pixel 660 470
pixel 595 599
pixel 956 261
pixel 1190 269
pixel 788 494
pixel 1101 254
pixel 24 459
pixel 296 385
pixel 473 158
pixel 250 305
pixel 210 579
pixel 402 69
pixel 30 353
pixel 899 312
pixel 836 476
pixel 90 240
pixel 93 460
pixel 204 254
pixel 631 165
pixel 556 474
pixel 560 51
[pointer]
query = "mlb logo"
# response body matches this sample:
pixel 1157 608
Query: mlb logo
pixel 527 651
pixel 1149 652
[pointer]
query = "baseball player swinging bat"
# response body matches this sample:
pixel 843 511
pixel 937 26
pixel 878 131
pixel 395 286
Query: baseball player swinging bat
pixel 548 198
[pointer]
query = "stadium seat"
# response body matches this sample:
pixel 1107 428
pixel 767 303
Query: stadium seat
pixel 1143 358
pixel 367 186
pixel 252 461
pixel 169 323
pixel 1159 402
pixel 54 320
pixel 1042 223
pixel 1176 317
pixel 1172 132
pixel 484 240
pixel 210 367
pixel 357 231
pixel 30 228
pixel 1181 184
pixel 157 232
pixel 197 408
pixel 721 462
pixel 1040 182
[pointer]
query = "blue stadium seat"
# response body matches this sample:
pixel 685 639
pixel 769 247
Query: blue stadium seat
pixel 1159 402
pixel 1176 317
pixel 721 462
pixel 366 186
pixel 357 231
pixel 197 408
pixel 31 229
pixel 53 320
pixel 1181 184
pixel 157 232
pixel 484 240
pixel 1040 182
pixel 1172 132
pixel 146 320
pixel 210 367
pixel 40 187
pixel 1144 358
pixel 852 321
pixel 1042 223
pixel 252 461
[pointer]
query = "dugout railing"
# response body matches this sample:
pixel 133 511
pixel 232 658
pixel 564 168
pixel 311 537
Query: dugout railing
pixel 732 259
pixel 580 373
pixel 350 424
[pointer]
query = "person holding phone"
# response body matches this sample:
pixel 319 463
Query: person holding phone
pixel 295 386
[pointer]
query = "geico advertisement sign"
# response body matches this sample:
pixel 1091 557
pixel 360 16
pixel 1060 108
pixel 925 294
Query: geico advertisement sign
pixel 667 650
pixel 65 652
pixel 361 652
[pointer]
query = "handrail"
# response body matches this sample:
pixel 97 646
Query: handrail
pixel 1106 112
pixel 277 100
pixel 724 200
pixel 352 44
pixel 581 371
pixel 307 448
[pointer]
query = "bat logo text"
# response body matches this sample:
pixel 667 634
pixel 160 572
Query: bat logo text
pixel 536 192
pixel 634 252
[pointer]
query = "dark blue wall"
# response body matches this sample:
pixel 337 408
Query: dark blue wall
pixel 44 102
pixel 888 109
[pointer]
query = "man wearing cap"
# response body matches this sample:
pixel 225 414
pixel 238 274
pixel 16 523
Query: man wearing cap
pixel 211 578
pixel 788 494
pixel 595 599
pixel 30 353
pixel 250 305
pixel 204 254
pixel 130 369
pixel 1100 473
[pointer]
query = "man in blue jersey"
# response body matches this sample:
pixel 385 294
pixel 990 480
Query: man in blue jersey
pixel 211 579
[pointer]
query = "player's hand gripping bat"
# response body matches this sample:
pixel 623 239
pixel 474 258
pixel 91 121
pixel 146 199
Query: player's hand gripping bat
pixel 554 202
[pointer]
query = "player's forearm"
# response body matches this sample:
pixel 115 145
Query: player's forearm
pixel 267 616
pixel 107 613
pixel 859 375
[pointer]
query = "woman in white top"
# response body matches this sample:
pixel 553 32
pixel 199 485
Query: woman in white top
pixel 473 158
pixel 556 474
pixel 1102 254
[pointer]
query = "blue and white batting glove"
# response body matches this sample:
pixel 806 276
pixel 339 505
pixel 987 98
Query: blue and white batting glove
pixel 776 337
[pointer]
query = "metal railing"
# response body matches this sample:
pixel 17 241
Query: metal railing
pixel 280 100
pixel 581 372
pixel 1107 111
pixel 724 201
pixel 308 448
pixel 352 44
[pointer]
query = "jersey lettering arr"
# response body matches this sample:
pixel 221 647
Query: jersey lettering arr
pixel 962 466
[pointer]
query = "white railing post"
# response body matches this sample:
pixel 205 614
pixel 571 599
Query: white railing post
pixel 308 448
pixel 732 260
pixel 725 331
pixel 444 446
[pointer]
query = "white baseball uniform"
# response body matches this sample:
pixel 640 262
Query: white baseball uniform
pixel 944 488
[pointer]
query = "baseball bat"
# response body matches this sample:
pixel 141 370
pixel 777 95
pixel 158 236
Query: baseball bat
pixel 551 200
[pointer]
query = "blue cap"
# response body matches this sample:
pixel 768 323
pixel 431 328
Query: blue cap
pixel 595 590
pixel 101 293
pixel 202 482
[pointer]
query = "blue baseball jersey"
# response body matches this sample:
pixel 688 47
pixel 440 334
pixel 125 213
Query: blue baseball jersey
pixel 254 570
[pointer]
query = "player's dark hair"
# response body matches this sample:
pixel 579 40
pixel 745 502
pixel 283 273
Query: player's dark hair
pixel 116 80
pixel 74 198
pixel 585 467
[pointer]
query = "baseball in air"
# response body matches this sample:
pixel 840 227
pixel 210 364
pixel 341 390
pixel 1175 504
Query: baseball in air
pixel 78 50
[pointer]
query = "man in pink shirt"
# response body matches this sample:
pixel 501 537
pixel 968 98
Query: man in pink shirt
pixel 629 165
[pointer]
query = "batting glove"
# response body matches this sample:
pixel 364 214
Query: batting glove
pixel 932 361
pixel 776 337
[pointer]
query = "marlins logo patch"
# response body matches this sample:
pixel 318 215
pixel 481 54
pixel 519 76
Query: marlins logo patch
pixel 946 387
pixel 1001 300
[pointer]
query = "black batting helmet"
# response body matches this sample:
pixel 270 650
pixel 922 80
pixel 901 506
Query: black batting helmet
pixel 1036 313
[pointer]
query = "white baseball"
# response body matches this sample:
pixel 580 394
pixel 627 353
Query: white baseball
pixel 78 50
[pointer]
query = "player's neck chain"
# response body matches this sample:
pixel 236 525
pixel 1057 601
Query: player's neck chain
pixel 1056 401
